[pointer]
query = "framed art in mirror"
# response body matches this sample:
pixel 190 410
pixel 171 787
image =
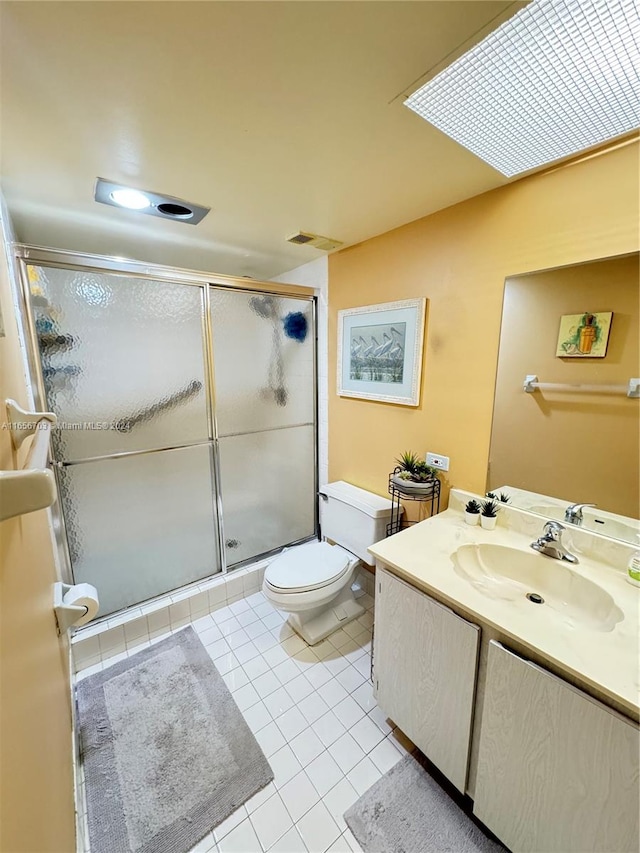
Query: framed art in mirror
pixel 380 351
pixel 584 335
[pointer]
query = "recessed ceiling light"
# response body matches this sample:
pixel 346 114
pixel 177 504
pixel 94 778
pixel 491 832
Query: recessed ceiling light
pixel 131 198
pixel 557 78
pixel 150 203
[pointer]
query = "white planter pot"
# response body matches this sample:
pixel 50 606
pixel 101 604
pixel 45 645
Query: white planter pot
pixel 488 523
pixel 411 488
pixel 471 517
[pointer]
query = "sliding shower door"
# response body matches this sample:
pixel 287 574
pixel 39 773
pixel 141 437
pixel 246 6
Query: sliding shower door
pixel 264 365
pixel 186 439
pixel 123 366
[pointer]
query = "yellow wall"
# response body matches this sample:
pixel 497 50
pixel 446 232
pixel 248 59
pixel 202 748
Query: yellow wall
pixel 578 447
pixel 36 782
pixel 459 258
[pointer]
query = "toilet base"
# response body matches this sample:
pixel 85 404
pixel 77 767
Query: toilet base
pixel 316 625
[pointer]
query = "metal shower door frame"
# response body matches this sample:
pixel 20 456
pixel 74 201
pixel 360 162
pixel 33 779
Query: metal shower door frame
pixel 27 255
pixel 292 293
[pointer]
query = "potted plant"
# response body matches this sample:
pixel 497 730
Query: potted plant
pixel 472 512
pixel 489 514
pixel 503 497
pixel 413 475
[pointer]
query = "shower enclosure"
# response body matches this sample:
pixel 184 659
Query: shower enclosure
pixel 186 404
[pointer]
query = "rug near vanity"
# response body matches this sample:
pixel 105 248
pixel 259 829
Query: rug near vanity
pixel 407 810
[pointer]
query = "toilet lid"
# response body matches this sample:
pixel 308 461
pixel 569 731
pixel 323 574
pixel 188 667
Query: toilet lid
pixel 307 567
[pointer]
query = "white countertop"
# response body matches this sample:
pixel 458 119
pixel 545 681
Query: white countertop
pixel 609 661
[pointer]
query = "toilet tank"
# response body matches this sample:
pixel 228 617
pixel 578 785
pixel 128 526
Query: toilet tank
pixel 353 517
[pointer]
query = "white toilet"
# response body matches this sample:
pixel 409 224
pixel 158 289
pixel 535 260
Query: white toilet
pixel 313 582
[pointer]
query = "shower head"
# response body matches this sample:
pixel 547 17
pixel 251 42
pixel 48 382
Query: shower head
pixel 264 306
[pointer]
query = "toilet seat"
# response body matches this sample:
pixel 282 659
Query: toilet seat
pixel 307 568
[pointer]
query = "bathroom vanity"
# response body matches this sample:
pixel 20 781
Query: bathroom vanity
pixel 529 708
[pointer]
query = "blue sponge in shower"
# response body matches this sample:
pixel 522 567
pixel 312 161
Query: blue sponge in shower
pixel 295 326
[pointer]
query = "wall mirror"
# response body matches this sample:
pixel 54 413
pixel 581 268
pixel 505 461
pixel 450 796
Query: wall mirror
pixel 575 438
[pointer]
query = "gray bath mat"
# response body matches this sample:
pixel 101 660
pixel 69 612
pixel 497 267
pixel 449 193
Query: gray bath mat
pixel 408 812
pixel 167 754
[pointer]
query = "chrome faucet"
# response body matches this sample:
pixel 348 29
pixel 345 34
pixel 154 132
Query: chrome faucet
pixel 573 513
pixel 550 543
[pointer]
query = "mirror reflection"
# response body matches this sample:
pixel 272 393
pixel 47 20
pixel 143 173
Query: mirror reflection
pixel 573 436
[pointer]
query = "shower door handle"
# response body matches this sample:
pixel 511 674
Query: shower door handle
pixel 148 412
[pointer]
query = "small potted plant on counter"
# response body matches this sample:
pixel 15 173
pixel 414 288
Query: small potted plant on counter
pixel 413 475
pixel 503 497
pixel 472 512
pixel 489 514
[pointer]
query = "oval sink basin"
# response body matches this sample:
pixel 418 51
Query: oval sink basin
pixel 510 574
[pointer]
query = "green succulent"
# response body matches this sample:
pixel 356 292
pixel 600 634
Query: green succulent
pixel 424 472
pixel 490 508
pixel 473 507
pixel 414 468
pixel 408 461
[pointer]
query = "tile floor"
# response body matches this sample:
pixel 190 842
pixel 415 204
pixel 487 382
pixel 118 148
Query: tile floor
pixel 313 713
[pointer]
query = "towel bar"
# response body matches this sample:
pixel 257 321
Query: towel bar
pixel 631 389
pixel 33 486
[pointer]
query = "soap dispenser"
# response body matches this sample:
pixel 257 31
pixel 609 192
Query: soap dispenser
pixel 633 569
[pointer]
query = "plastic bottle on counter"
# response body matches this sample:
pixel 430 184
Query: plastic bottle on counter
pixel 633 569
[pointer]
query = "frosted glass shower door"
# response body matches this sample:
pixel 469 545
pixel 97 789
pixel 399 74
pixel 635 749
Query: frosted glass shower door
pixel 123 367
pixel 122 361
pixel 140 525
pixel 264 361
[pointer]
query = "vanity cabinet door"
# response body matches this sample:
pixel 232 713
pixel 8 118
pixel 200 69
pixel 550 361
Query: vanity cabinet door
pixel 557 770
pixel 424 671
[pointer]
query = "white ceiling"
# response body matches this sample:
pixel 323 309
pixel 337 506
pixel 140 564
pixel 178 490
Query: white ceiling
pixel 280 116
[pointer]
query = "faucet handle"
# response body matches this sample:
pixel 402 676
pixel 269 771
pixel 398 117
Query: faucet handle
pixel 553 530
pixel 573 513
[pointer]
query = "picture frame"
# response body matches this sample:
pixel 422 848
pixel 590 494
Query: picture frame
pixel 584 335
pixel 380 351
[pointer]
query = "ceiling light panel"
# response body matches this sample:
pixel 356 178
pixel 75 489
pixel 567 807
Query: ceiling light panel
pixel 130 198
pixel 153 204
pixel 557 78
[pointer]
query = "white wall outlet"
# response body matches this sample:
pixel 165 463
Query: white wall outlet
pixel 436 460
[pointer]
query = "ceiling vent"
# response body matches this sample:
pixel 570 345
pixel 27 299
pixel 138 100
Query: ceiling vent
pixel 304 238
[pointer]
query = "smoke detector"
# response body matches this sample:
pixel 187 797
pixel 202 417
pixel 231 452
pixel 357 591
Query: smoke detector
pixel 304 238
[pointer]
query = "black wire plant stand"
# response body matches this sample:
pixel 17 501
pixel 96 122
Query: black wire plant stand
pixel 427 493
